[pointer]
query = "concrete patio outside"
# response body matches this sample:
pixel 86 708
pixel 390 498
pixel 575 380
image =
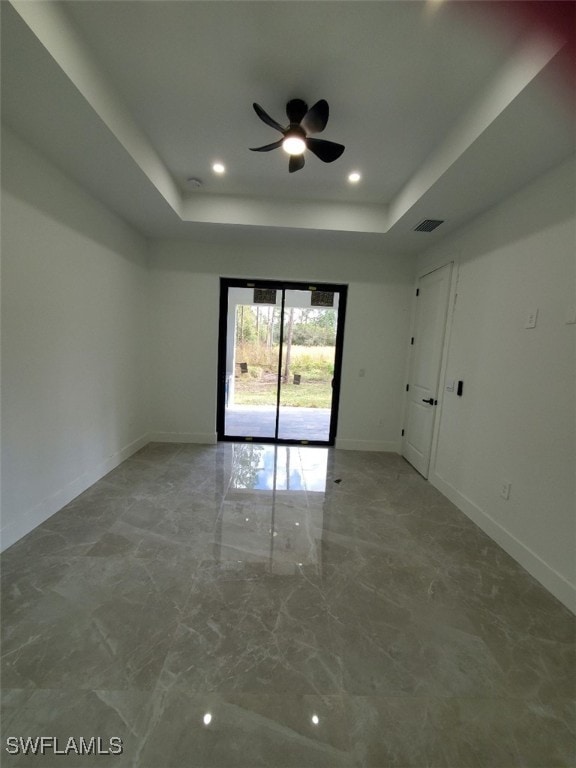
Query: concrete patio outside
pixel 294 423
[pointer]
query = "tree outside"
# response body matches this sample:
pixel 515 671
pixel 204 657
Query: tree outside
pixel 307 356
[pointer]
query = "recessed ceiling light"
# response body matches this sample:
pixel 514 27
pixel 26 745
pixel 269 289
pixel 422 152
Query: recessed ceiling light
pixel 354 177
pixel 219 168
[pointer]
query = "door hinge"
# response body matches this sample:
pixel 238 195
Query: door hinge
pixel 412 340
pixel 407 387
pixel 417 291
pixel 402 433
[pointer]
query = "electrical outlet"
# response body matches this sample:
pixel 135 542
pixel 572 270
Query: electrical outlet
pixel 505 490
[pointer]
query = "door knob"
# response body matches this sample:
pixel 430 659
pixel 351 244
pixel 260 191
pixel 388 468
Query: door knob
pixel 430 401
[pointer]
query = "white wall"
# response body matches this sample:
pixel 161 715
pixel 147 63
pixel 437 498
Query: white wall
pixel 74 304
pixel 516 421
pixel 184 334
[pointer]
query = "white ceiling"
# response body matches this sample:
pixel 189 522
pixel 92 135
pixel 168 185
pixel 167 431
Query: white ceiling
pixel 444 108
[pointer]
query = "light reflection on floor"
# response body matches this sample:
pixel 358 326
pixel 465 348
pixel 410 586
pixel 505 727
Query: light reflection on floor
pixel 273 510
pixel 268 467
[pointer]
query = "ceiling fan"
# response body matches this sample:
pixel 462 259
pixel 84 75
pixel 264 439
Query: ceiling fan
pixel 296 136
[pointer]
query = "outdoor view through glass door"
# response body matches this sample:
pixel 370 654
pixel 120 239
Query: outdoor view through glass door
pixel 279 361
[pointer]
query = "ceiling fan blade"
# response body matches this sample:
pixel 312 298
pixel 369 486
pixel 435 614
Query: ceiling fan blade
pixel 267 147
pixel 265 117
pixel 327 151
pixel 296 109
pixel 314 121
pixel 296 163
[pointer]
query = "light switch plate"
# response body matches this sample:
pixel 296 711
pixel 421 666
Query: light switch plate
pixel 532 319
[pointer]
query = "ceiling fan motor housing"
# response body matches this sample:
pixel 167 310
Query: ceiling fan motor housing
pixel 296 131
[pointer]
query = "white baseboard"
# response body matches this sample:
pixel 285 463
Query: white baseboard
pixel 368 445
pixel 31 518
pixel 553 581
pixel 204 438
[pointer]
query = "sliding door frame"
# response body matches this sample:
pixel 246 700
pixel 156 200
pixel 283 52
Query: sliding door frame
pixel 278 285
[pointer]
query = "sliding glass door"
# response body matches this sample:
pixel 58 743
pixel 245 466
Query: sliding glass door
pixel 280 354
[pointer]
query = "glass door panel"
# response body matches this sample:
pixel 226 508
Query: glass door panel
pixel 307 360
pixel 252 364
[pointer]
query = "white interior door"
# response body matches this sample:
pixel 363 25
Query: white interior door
pixel 430 327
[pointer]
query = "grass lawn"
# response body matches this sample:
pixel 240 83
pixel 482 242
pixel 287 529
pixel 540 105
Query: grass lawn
pixel 307 394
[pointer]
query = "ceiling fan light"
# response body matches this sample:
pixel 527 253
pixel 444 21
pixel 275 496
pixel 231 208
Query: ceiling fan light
pixel 293 145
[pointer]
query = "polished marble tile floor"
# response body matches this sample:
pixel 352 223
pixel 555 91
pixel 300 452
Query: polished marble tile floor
pixel 241 605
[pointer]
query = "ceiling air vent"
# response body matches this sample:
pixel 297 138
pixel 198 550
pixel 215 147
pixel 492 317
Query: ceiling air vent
pixel 428 225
